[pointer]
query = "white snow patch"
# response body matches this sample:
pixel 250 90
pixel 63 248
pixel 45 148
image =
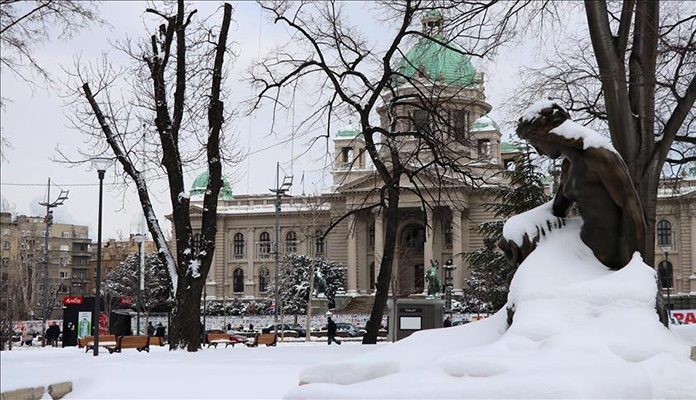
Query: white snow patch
pixel 580 330
pixel 590 138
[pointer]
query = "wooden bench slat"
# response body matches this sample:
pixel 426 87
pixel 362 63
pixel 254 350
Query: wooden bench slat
pixel 269 339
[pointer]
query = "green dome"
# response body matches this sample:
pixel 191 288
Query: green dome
pixel 438 63
pixel 200 185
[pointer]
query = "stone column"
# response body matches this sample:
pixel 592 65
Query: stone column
pixel 249 282
pixel 352 278
pixel 457 248
pixel 379 241
pixel 692 254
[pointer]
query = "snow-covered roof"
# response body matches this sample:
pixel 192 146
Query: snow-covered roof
pixel 270 208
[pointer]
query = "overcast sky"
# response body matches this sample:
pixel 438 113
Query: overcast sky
pixel 35 123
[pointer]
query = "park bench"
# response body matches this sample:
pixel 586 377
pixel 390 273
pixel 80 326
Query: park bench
pixel 104 341
pixel 214 339
pixel 269 339
pixel 156 341
pixel 131 342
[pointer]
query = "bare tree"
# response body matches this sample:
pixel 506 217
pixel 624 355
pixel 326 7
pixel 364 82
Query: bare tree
pixel 419 145
pixel 181 70
pixel 634 76
pixel 25 25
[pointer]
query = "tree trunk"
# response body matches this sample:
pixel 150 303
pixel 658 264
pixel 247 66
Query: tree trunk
pixel 185 332
pixel 385 271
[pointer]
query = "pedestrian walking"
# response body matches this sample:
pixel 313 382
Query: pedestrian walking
pixel 150 329
pixel 331 331
pixel 52 334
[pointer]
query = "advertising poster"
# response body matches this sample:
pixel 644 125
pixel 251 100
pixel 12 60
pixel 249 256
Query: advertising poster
pixel 84 324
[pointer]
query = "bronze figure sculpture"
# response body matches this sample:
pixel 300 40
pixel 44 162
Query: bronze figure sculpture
pixel 595 178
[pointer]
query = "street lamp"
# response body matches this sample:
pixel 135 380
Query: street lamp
pixel 280 190
pixel 140 238
pixel 49 221
pixel 100 164
pixel 668 272
pixel 449 267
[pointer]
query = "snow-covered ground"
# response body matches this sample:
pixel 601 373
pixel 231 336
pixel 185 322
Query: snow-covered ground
pixel 223 373
pixel 580 331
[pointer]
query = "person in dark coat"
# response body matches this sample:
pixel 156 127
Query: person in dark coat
pixel 150 329
pixel 331 332
pixel 159 332
pixel 52 334
pixel 448 322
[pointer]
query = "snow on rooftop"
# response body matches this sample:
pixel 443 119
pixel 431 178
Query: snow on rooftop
pixel 270 208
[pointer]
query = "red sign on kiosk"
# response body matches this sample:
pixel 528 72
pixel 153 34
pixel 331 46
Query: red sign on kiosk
pixel 73 300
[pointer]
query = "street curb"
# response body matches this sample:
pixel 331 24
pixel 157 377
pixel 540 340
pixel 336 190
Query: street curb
pixel 56 391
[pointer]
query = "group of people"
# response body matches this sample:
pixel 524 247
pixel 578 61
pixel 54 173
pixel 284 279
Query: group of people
pixel 158 331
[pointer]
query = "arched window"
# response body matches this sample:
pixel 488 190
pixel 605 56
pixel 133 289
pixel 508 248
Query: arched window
pixel 291 242
pixel 664 233
pixel 664 271
pixel 264 245
pixel 238 281
pixel 263 279
pixel 238 244
pixel 319 243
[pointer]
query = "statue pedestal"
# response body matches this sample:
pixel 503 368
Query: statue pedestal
pixel 319 306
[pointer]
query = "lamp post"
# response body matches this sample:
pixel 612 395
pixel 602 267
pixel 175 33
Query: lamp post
pixel 140 238
pixel 449 267
pixel 668 272
pixel 49 221
pixel 100 164
pixel 280 190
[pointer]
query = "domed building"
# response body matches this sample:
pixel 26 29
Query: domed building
pixel 244 263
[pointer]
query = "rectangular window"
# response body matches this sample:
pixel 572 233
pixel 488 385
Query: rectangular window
pixel 6 245
pixel 420 120
pixel 6 232
pixel 66 234
pixel 484 149
pixel 460 123
pixel 62 274
pixel 447 235
pixel 44 233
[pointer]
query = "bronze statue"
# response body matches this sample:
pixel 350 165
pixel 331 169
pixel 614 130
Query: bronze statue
pixel 434 283
pixel 595 178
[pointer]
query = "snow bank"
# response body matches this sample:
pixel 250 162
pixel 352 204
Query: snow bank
pixel 580 331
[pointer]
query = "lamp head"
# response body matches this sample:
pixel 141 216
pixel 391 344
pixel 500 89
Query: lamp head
pixel 101 164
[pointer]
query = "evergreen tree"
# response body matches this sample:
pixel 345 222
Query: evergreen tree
pixel 490 273
pixel 122 281
pixel 294 281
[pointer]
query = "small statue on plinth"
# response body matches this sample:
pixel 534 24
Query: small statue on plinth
pixel 433 278
pixel 319 284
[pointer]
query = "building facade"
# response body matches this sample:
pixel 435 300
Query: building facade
pixel 435 224
pixel 24 255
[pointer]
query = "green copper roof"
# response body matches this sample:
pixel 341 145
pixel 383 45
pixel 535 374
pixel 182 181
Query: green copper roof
pixel 200 185
pixel 506 147
pixel 348 131
pixel 485 123
pixel 439 63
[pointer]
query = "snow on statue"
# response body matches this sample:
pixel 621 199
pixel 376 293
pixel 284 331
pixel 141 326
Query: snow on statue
pixel 584 326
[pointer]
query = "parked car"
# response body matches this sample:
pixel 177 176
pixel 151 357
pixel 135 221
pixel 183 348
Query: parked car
pixel 460 322
pixel 286 327
pixel 350 329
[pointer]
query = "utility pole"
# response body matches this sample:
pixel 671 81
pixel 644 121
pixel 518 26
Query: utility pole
pixel 49 221
pixel 280 190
